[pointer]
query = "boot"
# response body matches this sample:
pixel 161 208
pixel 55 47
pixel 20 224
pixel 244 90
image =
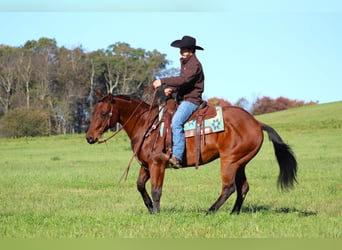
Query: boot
pixel 173 162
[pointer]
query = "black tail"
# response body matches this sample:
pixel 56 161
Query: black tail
pixel 285 157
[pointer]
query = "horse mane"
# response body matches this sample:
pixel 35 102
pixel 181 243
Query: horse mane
pixel 120 96
pixel 134 97
pixel 128 97
pixel 137 98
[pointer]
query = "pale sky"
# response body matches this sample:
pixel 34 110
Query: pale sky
pixel 289 48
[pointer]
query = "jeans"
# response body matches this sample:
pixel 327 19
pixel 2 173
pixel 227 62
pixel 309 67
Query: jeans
pixel 184 111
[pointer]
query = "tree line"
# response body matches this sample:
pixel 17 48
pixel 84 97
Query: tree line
pixel 263 105
pixel 55 85
pixel 46 89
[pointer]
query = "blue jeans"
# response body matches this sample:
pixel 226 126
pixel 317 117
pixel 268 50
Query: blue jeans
pixel 184 111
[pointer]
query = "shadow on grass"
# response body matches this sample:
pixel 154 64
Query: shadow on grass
pixel 287 210
pixel 248 209
pixel 255 209
pixel 283 210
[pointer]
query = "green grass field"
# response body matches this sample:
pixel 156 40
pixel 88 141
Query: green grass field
pixel 61 187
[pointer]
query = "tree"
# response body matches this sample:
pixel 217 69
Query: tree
pixel 45 55
pixel 242 103
pixel 129 70
pixel 44 59
pixel 25 72
pixel 218 102
pixel 267 105
pixel 8 76
pixel 21 122
pixel 61 82
pixel 71 76
pixel 94 60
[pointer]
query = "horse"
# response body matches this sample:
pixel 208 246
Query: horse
pixel 240 141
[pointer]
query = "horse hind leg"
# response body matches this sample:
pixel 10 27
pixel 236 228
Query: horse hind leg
pixel 242 188
pixel 228 186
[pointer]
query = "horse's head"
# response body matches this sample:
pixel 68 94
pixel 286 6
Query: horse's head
pixel 105 116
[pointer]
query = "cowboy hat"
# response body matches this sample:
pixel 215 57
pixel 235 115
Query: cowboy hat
pixel 186 42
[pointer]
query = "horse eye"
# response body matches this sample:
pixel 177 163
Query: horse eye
pixel 103 114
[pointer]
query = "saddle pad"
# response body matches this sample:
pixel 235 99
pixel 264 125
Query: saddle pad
pixel 211 125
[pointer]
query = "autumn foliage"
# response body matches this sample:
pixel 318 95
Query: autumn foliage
pixel 267 105
pixel 262 105
pixel 218 102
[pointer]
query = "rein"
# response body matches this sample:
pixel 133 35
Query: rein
pixel 123 125
pixel 136 151
pixel 140 142
pixel 129 118
pixel 116 132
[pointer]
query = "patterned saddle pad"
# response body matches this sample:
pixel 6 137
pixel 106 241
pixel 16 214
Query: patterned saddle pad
pixel 211 125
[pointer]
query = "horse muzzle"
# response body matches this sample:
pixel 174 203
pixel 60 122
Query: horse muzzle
pixel 91 140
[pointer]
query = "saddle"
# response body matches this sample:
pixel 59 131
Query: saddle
pixel 203 121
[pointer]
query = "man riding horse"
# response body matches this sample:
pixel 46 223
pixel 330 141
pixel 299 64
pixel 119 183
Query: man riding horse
pixel 189 86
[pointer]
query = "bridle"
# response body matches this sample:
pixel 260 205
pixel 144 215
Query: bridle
pixel 140 142
pixel 110 114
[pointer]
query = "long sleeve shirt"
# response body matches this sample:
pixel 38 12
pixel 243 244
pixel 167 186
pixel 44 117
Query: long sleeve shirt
pixel 189 85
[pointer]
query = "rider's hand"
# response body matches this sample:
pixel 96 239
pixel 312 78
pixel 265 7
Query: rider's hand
pixel 156 83
pixel 168 91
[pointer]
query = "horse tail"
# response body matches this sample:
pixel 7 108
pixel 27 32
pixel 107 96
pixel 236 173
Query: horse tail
pixel 285 157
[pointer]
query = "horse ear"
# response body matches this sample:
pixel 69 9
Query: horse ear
pixel 98 95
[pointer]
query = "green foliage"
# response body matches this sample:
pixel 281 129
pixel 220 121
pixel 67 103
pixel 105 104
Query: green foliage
pixel 62 82
pixel 22 122
pixel 128 70
pixel 61 187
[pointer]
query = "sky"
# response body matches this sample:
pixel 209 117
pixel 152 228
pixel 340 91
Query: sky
pixel 252 48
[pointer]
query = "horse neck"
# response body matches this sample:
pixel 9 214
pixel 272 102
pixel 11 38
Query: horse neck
pixel 133 116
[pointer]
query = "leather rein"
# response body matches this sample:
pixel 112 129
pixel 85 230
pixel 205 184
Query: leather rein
pixel 129 118
pixel 140 142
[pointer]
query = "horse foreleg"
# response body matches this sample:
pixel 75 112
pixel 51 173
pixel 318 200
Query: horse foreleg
pixel 143 177
pixel 228 186
pixel 157 178
pixel 242 188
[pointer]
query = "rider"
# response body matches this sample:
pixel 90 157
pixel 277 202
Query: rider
pixel 189 86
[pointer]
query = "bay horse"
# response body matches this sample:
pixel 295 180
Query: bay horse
pixel 240 141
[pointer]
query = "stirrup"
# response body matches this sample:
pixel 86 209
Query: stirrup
pixel 175 163
pixel 164 157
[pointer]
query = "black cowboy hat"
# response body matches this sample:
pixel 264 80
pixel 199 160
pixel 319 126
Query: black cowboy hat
pixel 186 42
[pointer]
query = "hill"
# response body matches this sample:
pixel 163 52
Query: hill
pixel 313 117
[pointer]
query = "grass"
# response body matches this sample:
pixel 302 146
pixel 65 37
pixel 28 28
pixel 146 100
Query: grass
pixel 61 187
